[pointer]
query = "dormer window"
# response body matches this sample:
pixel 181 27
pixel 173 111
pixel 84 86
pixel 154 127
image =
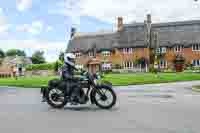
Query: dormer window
pixel 127 50
pixel 78 54
pixel 106 53
pixel 195 47
pixel 178 48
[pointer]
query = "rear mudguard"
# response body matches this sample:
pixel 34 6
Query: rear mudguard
pixel 92 93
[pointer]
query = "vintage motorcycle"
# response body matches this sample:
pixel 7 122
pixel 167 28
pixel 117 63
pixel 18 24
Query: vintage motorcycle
pixel 100 94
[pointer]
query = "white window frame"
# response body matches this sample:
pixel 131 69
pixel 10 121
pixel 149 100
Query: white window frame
pixel 127 50
pixel 163 50
pixel 196 47
pixel 106 53
pixel 128 65
pixel 196 62
pixel 91 54
pixel 163 63
pixel 178 48
pixel 106 66
pixel 158 50
pixel 78 54
pixel 79 66
pixel 130 50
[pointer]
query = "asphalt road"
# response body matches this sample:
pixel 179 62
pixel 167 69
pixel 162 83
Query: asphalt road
pixel 159 108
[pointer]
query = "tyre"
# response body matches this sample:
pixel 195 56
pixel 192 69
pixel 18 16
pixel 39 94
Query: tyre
pixel 56 98
pixel 107 99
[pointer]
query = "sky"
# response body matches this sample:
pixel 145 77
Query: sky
pixel 45 25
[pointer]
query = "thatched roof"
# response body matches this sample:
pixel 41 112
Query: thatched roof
pixel 12 60
pixel 133 35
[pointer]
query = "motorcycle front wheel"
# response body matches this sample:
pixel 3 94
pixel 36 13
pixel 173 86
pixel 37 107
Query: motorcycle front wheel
pixel 56 98
pixel 105 97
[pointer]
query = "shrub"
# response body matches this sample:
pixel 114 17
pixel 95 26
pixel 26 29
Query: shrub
pixel 117 66
pixel 179 59
pixel 168 70
pixel 152 69
pixel 107 71
pixel 57 65
pixel 44 66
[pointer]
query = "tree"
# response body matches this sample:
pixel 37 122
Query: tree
pixel 61 56
pixel 14 52
pixel 2 54
pixel 38 57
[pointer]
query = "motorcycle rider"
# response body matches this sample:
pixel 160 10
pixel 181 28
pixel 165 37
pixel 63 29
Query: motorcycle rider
pixel 67 74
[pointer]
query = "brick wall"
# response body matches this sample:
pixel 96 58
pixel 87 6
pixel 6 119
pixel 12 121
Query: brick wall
pixel 117 56
pixel 189 55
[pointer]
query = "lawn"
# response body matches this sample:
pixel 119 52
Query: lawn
pixel 116 79
pixel 33 81
pixel 149 78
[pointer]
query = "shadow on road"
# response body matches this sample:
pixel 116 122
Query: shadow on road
pixel 84 109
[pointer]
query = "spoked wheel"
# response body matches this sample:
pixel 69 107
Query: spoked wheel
pixel 56 98
pixel 105 97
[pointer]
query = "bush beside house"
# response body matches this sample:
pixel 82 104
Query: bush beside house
pixel 44 69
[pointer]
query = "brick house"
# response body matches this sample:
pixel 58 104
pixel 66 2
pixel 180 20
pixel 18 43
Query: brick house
pixel 11 62
pixel 128 44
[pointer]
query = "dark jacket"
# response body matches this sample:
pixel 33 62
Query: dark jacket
pixel 67 72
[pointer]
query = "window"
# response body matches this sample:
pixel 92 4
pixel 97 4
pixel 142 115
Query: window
pixel 127 50
pixel 91 54
pixel 106 53
pixel 128 65
pixel 78 55
pixel 195 47
pixel 130 50
pixel 158 50
pixel 106 66
pixel 196 62
pixel 163 63
pixel 161 50
pixel 79 66
pixel 178 48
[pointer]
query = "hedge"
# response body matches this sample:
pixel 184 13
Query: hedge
pixel 44 66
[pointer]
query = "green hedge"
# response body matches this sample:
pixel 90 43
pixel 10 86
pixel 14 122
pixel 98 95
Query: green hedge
pixel 44 66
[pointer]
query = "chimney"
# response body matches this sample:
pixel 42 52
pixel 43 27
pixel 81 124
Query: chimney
pixel 148 18
pixel 119 24
pixel 73 31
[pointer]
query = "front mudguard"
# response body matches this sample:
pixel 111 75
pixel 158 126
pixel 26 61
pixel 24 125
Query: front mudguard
pixel 99 86
pixel 44 90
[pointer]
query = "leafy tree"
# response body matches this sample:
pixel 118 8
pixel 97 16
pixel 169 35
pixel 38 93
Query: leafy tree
pixel 61 56
pixel 2 54
pixel 57 65
pixel 14 52
pixel 38 57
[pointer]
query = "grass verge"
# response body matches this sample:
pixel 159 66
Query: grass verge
pixel 116 79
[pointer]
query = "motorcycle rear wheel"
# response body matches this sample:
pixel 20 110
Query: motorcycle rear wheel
pixel 56 98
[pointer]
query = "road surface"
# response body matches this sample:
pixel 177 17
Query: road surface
pixel 158 108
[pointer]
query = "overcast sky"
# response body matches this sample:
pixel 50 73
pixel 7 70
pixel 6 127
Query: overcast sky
pixel 45 24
